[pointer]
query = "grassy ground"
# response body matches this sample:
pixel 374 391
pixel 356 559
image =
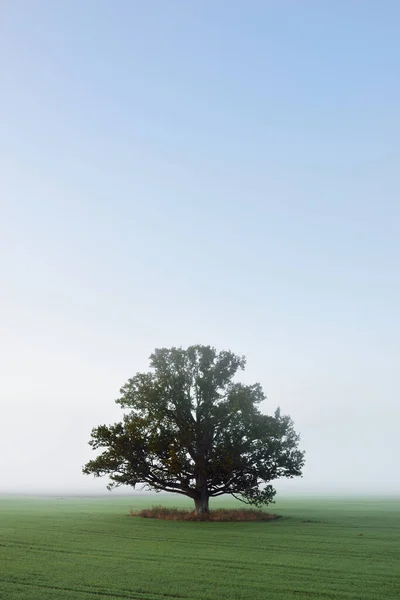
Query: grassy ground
pixel 90 549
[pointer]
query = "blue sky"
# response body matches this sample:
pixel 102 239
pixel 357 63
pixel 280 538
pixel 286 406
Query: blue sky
pixel 217 172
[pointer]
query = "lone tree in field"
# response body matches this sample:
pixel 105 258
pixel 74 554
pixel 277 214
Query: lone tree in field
pixel 191 429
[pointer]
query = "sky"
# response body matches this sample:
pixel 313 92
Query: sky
pixel 216 172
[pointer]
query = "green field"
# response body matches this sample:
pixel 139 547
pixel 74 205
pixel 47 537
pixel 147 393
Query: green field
pixel 90 549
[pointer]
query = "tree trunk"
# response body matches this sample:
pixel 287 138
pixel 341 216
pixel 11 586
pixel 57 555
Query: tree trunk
pixel 201 504
pixel 201 495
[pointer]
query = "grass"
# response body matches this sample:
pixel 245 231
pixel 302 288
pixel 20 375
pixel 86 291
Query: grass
pixel 91 549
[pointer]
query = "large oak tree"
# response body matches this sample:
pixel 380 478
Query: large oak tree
pixel 192 429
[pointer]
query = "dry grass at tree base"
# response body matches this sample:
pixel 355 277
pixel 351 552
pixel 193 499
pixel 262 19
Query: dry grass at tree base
pixel 221 514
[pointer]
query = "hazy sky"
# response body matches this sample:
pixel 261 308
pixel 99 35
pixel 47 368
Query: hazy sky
pixel 214 172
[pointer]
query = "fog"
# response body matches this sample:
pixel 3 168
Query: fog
pixel 52 406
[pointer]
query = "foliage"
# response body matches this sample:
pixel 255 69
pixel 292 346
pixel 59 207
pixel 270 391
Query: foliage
pixel 192 429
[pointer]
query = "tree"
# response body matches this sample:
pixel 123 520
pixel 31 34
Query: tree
pixel 192 429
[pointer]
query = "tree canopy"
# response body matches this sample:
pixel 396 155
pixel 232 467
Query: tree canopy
pixel 190 428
